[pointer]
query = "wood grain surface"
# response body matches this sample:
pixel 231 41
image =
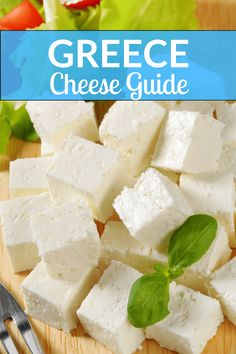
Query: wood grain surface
pixel 213 14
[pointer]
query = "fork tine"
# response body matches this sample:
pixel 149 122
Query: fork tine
pixel 6 340
pixel 31 342
pixel 25 329
pixel 10 308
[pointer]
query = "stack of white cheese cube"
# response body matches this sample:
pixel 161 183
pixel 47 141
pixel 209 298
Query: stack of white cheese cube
pixel 155 165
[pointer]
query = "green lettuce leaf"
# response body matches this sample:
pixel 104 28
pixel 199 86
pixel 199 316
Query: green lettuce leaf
pixel 87 19
pixel 148 15
pixel 57 17
pixel 6 110
pixel 21 125
pixel 116 15
pixel 14 122
pixel 8 5
pixel 5 133
pixel 138 15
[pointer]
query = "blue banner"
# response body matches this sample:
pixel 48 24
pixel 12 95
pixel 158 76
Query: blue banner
pixel 118 65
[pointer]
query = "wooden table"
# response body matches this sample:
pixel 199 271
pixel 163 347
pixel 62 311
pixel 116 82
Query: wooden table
pixel 213 14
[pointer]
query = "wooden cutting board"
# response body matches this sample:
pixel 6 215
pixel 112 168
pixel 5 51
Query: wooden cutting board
pixel 213 14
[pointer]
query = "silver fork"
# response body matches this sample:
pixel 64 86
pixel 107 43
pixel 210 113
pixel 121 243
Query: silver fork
pixel 10 309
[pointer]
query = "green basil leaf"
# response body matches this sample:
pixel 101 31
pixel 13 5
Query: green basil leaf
pixel 22 126
pixel 175 272
pixel 192 240
pixel 5 133
pixel 149 298
pixel 160 268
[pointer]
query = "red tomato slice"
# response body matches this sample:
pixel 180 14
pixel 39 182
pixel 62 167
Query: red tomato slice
pixel 80 4
pixel 21 17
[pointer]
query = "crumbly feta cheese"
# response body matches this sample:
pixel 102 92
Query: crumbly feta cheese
pixel 212 194
pixel 132 128
pixel 55 301
pixel 226 113
pixel 222 287
pixel 28 176
pixel 103 313
pixel 67 239
pixel 90 171
pixel 55 120
pixel 189 142
pixel 17 233
pixel 205 107
pixel 197 276
pixel 46 148
pixel 117 244
pixel 227 160
pixel 152 209
pixel 192 322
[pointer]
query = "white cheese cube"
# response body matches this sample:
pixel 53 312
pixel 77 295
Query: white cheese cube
pixel 46 148
pixel 192 322
pixel 205 107
pixel 132 128
pixel 152 209
pixel 222 287
pixel 198 275
pixel 55 301
pixel 67 239
pixel 189 142
pixel 212 194
pixel 55 120
pixel 17 233
pixel 103 313
pixel 117 244
pixel 90 171
pixel 227 160
pixel 226 113
pixel 28 176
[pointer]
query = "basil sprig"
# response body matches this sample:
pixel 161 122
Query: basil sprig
pixel 149 295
